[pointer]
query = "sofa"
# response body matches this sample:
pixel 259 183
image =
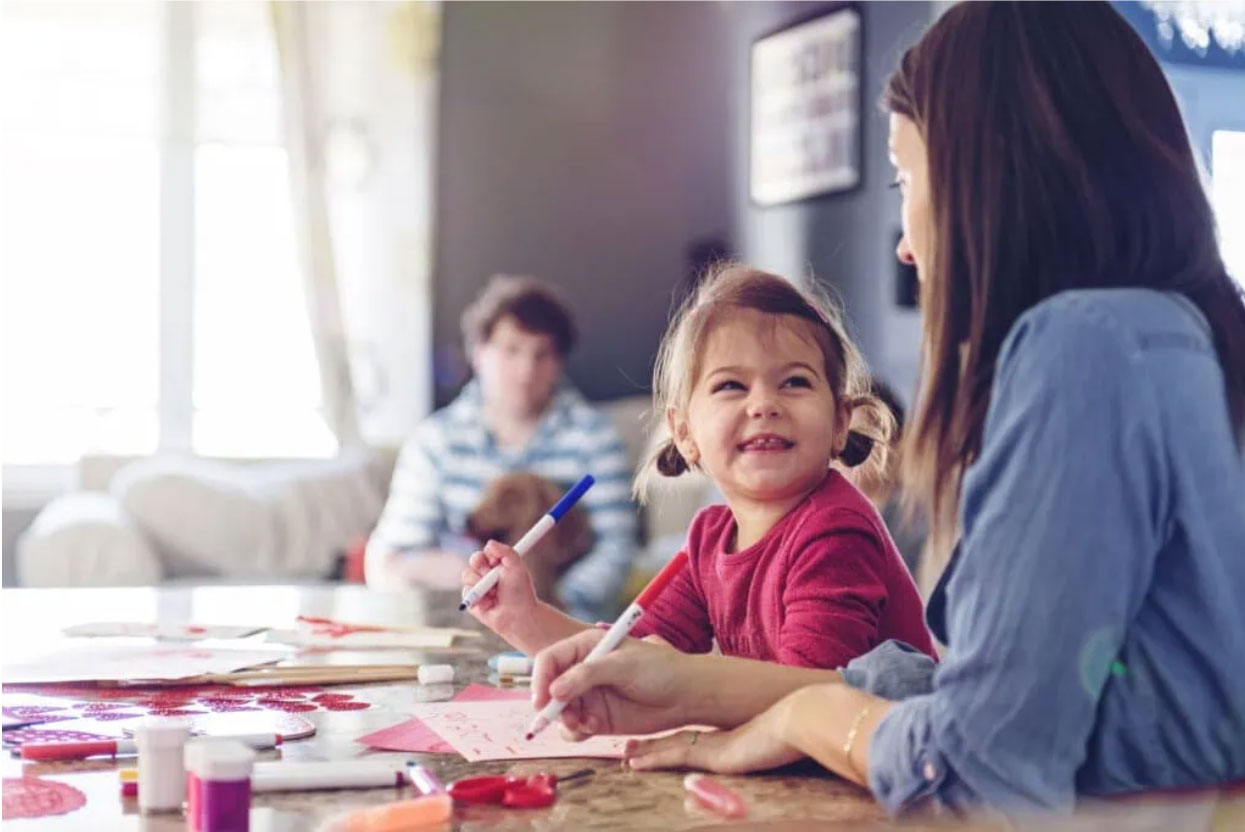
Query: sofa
pixel 145 521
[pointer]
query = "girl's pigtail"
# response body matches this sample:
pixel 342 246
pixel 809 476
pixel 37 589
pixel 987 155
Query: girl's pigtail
pixel 857 449
pixel 670 463
pixel 868 442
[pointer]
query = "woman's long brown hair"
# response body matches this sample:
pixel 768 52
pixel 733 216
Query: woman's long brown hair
pixel 1057 160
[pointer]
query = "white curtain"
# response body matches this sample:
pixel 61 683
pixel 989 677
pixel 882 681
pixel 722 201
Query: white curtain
pixel 359 83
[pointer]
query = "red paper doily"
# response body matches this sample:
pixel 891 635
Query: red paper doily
pixel 21 736
pixel 34 797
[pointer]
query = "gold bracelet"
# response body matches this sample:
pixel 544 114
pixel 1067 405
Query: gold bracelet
pixel 851 734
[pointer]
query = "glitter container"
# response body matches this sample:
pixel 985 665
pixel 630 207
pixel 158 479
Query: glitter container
pixel 218 785
pixel 161 772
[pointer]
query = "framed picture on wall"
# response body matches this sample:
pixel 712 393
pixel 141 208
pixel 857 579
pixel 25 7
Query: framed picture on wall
pixel 804 128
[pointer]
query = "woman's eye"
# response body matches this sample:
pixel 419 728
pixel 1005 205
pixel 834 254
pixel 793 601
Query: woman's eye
pixel 797 381
pixel 726 385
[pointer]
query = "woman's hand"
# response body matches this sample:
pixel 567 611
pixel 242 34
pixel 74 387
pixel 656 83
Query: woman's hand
pixel 637 688
pixel 640 688
pixel 757 745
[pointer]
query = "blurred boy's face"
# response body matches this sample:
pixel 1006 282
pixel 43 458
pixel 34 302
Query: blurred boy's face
pixel 518 370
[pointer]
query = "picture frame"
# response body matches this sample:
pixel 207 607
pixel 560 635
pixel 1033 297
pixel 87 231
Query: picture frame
pixel 805 109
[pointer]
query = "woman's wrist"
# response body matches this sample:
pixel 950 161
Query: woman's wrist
pixel 537 626
pixel 727 692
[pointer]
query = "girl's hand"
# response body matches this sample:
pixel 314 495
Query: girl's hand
pixel 512 599
pixel 756 745
pixel 636 688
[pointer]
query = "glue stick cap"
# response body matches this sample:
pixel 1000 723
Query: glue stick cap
pixel 223 759
pixel 162 732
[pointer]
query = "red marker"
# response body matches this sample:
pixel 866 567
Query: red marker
pixel 616 633
pixel 113 748
pixel 714 796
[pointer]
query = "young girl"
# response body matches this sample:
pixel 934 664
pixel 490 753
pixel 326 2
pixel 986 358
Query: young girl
pixel 758 385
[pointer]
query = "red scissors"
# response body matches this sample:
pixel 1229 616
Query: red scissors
pixel 532 792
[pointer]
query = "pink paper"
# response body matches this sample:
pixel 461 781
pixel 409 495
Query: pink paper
pixel 414 735
pixel 495 731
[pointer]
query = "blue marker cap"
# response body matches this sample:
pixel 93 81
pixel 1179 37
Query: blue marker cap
pixel 571 497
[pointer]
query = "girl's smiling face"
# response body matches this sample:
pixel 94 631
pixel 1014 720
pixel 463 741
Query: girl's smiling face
pixel 762 419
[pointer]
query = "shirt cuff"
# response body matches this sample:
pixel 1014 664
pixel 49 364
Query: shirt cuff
pixel 906 766
pixel 893 670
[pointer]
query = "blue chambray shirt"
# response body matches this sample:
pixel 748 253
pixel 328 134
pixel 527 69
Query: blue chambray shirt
pixel 1095 611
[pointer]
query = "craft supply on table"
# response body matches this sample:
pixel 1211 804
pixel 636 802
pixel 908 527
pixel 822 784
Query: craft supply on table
pixel 494 730
pixel 113 748
pixel 161 769
pixel 162 630
pixel 414 735
pixel 424 781
pixel 129 782
pixel 534 791
pixel 329 634
pixel 349 774
pixel 37 797
pixel 268 727
pixel 512 663
pixel 218 785
pixel 131 663
pixel 401 816
pixel 286 776
pixel 714 796
pixel 530 539
pixel 435 674
pixel 616 634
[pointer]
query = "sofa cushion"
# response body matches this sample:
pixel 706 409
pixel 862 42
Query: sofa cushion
pixel 258 520
pixel 85 539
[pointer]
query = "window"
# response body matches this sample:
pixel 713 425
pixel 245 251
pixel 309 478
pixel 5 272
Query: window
pixel 153 298
pixel 1228 193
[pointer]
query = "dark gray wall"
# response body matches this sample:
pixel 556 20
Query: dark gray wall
pixel 847 241
pixel 585 143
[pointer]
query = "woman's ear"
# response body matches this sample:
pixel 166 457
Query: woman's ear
pixel 681 433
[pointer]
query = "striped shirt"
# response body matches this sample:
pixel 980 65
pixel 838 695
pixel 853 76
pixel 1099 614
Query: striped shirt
pixel 448 462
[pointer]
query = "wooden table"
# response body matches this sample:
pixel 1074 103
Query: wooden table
pixel 613 798
pixel 804 797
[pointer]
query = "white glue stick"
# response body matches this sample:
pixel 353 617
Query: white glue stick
pixel 434 674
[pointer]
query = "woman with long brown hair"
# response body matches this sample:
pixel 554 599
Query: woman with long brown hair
pixel 1079 430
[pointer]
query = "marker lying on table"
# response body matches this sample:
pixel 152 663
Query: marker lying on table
pixel 533 536
pixel 616 634
pixel 282 776
pixel 119 746
pixel 715 797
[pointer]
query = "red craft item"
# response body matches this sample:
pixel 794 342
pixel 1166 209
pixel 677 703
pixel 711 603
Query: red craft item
pixel 34 797
pixel 345 705
pixel 21 736
pixel 535 791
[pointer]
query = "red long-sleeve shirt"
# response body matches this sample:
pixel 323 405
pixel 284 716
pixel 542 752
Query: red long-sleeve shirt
pixel 823 586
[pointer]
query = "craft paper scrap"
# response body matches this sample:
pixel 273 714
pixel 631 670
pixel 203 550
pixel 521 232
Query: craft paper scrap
pixel 495 731
pixel 414 735
pixel 162 630
pixel 125 663
pixel 321 633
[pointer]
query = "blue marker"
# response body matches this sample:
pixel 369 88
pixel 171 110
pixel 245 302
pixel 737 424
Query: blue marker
pixel 533 536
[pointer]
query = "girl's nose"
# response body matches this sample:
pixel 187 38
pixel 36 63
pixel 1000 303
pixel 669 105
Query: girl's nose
pixel 763 405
